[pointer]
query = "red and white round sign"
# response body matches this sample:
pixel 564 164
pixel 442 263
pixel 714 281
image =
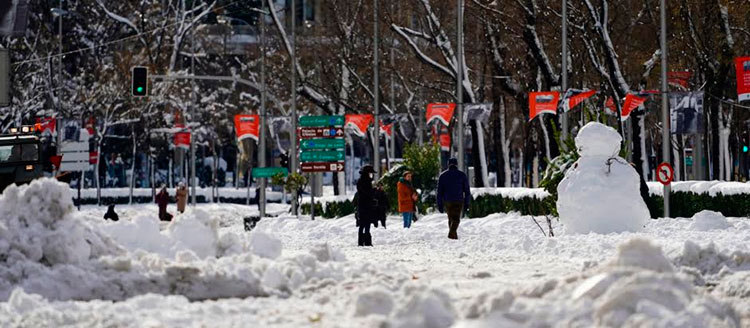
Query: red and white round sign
pixel 664 173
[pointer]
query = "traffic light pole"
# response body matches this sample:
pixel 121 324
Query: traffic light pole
pixel 262 139
pixel 293 148
pixel 459 86
pixel 666 143
pixel 376 92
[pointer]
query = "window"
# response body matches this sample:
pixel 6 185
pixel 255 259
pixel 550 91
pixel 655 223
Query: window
pixel 18 153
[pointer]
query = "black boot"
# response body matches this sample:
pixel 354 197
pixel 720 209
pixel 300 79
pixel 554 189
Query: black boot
pixel 360 239
pixel 368 239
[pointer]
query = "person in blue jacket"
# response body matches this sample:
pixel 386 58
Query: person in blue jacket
pixel 453 195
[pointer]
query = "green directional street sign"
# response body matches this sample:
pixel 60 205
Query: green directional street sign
pixel 323 120
pixel 323 144
pixel 322 156
pixel 267 172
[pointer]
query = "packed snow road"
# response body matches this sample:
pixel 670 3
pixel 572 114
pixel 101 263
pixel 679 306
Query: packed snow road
pixel 61 267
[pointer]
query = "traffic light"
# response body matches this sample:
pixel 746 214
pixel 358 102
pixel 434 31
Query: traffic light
pixel 744 149
pixel 140 81
pixel 284 160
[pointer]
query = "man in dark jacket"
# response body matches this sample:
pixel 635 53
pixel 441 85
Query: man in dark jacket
pixel 381 205
pixel 453 195
pixel 162 199
pixel 365 205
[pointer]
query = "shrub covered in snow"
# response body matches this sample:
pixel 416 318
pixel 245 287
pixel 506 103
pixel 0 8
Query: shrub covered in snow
pixel 709 220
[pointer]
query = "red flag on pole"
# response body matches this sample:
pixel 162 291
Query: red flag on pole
pixel 359 123
pixel 182 139
pixel 631 103
pixel 247 126
pixel 576 98
pixel 543 102
pixel 386 129
pixel 440 112
pixel 742 66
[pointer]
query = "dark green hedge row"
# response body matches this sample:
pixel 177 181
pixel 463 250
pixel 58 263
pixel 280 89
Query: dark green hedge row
pixel 120 200
pixel 683 204
pixel 333 209
pixel 686 204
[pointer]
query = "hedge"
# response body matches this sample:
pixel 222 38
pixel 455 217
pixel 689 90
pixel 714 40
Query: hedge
pixel 683 204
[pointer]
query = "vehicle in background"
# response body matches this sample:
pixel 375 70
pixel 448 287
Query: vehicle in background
pixel 20 159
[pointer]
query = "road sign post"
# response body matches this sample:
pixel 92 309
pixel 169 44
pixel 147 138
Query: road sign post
pixel 322 146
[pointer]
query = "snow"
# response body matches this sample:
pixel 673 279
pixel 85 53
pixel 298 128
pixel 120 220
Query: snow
pixel 709 220
pixel 601 192
pixel 203 269
pixel 712 188
pixel 511 193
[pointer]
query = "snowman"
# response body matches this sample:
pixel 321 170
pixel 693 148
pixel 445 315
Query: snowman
pixel 601 193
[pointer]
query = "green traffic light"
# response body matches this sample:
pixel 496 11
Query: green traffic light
pixel 139 89
pixel 744 149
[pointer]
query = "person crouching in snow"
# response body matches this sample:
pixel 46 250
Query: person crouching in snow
pixel 381 205
pixel 407 199
pixel 181 195
pixel 162 199
pixel 365 206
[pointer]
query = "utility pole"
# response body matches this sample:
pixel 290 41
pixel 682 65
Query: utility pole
pixel 666 143
pixel 392 147
pixel 459 86
pixel 262 141
pixel 59 81
pixel 376 92
pixel 293 148
pixel 192 119
pixel 564 115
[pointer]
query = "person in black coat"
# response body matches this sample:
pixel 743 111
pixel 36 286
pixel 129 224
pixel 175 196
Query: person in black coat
pixel 381 206
pixel 111 215
pixel 365 206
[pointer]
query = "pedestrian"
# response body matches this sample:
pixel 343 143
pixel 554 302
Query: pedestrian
pixel 162 199
pixel 111 215
pixel 182 196
pixel 381 205
pixel 453 195
pixel 407 199
pixel 365 205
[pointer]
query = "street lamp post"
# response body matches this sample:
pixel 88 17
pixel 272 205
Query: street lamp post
pixel 459 85
pixel 376 91
pixel 293 148
pixel 262 141
pixel 564 84
pixel 665 141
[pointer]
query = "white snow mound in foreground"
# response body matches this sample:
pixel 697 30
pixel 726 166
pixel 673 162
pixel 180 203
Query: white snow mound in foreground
pixel 601 193
pixel 709 220
pixel 638 288
pixel 47 248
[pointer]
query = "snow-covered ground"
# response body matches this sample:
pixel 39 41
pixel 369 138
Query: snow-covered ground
pixel 60 267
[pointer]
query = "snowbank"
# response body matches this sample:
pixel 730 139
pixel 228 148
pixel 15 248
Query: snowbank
pixel 55 252
pixel 512 193
pixel 711 188
pixel 709 220
pixel 638 288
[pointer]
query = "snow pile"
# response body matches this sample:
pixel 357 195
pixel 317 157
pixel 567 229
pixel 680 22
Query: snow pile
pixel 57 253
pixel 36 224
pixel 601 193
pixel 709 220
pixel 638 288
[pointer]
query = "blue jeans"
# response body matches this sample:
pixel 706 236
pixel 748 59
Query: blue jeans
pixel 407 219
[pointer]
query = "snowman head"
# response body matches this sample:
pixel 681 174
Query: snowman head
pixel 596 139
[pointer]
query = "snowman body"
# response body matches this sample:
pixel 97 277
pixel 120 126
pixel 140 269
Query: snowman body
pixel 601 194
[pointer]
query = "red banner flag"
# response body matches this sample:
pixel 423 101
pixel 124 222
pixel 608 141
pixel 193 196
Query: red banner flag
pixel 182 139
pixel 247 126
pixel 46 123
pixel 386 129
pixel 543 102
pixel 440 112
pixel 577 98
pixel 679 79
pixel 93 157
pixel 358 123
pixel 631 103
pixel 742 65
